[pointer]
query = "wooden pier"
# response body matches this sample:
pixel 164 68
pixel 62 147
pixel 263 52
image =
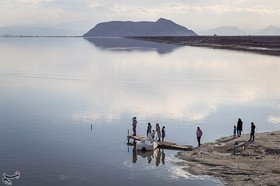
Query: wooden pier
pixel 163 144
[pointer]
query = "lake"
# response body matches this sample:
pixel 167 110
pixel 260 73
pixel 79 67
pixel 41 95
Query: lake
pixel 54 89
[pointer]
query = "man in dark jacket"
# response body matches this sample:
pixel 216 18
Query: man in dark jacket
pixel 134 124
pixel 239 127
pixel 252 134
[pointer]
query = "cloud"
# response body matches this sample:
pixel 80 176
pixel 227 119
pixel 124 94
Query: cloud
pixel 264 10
pixel 213 9
pixel 33 2
pixel 95 5
pixel 274 119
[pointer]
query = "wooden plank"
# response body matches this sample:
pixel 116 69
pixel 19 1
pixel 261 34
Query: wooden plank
pixel 164 144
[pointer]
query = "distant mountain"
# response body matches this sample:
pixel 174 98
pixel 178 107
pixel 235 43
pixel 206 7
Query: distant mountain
pixel 36 31
pixel 161 27
pixel 223 31
pixel 270 30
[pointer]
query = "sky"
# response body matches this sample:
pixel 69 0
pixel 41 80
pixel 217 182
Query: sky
pixel 194 14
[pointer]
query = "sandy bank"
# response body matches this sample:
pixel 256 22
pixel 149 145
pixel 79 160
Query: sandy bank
pixel 269 45
pixel 256 164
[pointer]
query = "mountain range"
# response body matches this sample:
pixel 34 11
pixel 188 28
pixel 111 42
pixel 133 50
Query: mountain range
pixel 270 30
pixel 162 27
pixel 234 31
pixel 224 30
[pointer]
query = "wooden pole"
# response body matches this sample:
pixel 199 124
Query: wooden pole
pixel 127 136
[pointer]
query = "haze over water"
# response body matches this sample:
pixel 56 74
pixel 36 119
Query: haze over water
pixel 54 89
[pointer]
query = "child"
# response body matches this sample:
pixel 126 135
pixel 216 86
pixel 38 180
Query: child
pixel 234 146
pixel 234 131
pixel 153 134
pixel 149 129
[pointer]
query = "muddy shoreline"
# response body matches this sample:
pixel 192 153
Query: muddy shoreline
pixel 269 45
pixel 254 163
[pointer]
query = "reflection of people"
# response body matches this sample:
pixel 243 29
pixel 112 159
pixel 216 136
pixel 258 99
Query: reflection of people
pixel 252 134
pixel 198 135
pixel 158 131
pixel 163 133
pixel 163 157
pixel 149 159
pixel 134 155
pixel 158 158
pixel 149 129
pixel 239 127
pixel 134 124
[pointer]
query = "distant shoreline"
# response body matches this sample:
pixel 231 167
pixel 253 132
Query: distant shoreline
pixel 255 163
pixel 25 36
pixel 268 45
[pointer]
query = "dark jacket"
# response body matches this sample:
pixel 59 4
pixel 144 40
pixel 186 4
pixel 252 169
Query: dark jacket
pixel 239 125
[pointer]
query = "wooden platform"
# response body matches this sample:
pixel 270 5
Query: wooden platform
pixel 164 144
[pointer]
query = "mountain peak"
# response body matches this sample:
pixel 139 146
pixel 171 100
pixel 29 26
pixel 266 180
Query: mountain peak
pixel 223 31
pixel 270 30
pixel 163 20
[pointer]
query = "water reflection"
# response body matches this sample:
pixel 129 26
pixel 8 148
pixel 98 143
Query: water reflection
pixel 126 44
pixel 157 156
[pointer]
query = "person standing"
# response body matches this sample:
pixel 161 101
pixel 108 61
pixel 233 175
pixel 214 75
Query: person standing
pixel 163 133
pixel 149 129
pixel 234 131
pixel 252 134
pixel 234 146
pixel 158 131
pixel 134 124
pixel 239 127
pixel 153 134
pixel 198 135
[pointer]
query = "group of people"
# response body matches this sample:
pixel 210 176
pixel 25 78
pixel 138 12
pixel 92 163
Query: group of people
pixel 160 133
pixel 238 129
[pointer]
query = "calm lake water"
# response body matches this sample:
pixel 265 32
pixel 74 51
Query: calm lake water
pixel 54 89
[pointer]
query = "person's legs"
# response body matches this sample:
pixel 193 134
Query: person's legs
pixel 134 131
pixel 198 140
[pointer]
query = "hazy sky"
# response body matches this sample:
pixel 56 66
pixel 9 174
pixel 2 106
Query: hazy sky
pixel 193 14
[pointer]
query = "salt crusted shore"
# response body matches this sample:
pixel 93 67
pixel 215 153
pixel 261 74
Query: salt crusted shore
pixel 269 45
pixel 256 163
